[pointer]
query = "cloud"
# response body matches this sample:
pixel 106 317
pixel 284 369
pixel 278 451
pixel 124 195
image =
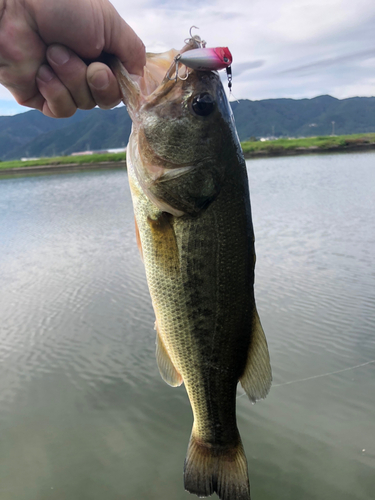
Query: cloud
pixel 243 67
pixel 281 48
pixel 340 60
pixel 323 43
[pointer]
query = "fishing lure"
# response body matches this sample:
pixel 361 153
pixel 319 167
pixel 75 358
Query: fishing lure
pixel 204 59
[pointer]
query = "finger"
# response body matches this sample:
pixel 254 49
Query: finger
pixel 71 71
pixel 103 85
pixel 59 103
pixel 127 46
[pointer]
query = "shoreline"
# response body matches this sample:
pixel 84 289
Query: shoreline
pixel 64 167
pixel 262 153
pixel 278 152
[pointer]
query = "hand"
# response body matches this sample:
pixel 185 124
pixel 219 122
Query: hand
pixel 62 33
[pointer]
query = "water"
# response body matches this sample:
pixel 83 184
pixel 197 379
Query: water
pixel 84 413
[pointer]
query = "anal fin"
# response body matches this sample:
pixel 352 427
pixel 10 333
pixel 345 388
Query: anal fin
pixel 167 369
pixel 257 377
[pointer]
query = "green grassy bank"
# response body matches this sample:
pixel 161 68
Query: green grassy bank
pixel 65 160
pixel 278 147
pixel 308 145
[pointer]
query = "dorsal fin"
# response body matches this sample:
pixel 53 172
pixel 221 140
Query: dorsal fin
pixel 257 377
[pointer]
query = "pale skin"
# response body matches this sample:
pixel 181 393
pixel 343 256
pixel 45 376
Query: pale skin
pixel 45 46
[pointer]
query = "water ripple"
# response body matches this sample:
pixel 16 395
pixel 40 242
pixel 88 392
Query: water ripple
pixel 80 390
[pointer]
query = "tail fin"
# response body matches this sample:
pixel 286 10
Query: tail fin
pixel 221 470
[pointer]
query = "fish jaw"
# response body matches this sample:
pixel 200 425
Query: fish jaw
pixel 129 87
pixel 134 88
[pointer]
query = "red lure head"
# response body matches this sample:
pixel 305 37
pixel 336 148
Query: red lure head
pixel 224 55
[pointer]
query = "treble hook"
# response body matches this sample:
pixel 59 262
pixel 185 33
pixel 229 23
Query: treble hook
pixel 187 73
pixel 195 27
pixel 177 62
pixel 196 38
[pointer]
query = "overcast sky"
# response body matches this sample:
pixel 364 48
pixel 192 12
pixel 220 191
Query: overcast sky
pixel 280 48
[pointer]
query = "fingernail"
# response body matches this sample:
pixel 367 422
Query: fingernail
pixel 45 74
pixel 100 80
pixel 139 71
pixel 59 55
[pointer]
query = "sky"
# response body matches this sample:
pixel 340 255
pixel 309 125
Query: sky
pixel 281 48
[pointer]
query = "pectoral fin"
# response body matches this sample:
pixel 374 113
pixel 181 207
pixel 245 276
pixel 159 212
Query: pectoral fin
pixel 166 368
pixel 165 247
pixel 257 377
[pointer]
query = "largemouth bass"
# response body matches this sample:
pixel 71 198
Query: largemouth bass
pixel 194 230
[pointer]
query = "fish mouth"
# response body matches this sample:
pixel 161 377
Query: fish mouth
pixel 155 71
pixel 163 67
pixel 160 75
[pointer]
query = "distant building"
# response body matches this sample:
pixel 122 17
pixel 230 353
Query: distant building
pixel 99 151
pixel 271 138
pixel 82 153
pixel 117 150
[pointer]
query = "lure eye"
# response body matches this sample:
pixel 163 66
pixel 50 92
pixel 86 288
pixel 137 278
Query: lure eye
pixel 203 104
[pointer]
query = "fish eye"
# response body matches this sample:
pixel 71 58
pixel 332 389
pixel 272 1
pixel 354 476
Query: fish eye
pixel 203 104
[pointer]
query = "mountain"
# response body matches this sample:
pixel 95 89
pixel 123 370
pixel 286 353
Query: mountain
pixel 304 117
pixel 32 134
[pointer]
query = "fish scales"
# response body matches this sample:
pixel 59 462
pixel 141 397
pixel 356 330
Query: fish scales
pixel 192 300
pixel 192 209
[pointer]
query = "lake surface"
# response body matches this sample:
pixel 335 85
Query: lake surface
pixel 84 414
